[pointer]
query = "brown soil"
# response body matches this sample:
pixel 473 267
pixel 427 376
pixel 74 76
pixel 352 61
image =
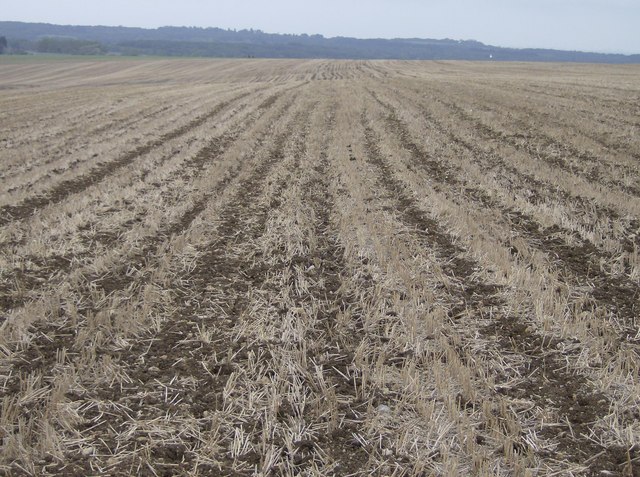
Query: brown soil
pixel 548 383
pixel 76 185
pixel 288 293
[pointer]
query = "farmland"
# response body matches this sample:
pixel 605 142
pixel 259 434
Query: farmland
pixel 279 267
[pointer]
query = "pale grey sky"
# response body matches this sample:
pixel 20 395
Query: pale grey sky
pixel 590 25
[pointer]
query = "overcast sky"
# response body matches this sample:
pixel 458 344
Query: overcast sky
pixel 590 25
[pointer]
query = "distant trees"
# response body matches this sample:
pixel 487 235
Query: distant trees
pixel 216 42
pixel 69 46
pixel 3 44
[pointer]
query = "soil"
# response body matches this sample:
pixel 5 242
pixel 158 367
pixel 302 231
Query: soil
pixel 209 338
pixel 548 383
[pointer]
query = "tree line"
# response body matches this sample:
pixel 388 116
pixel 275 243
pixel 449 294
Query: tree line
pixel 217 42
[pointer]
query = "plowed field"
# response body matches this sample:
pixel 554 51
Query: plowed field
pixel 230 268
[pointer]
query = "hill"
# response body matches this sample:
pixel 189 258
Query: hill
pixel 217 42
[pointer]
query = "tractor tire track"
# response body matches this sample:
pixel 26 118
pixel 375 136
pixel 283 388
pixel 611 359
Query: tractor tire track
pixel 547 378
pixel 325 268
pixel 537 190
pixel 10 213
pixel 49 339
pixel 580 263
pixel 537 143
pixel 609 119
pixel 218 272
pixel 339 444
pixel 118 279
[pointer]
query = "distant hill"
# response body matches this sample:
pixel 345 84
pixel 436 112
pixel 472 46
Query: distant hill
pixel 216 42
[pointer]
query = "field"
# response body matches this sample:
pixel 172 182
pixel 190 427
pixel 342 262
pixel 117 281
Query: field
pixel 274 267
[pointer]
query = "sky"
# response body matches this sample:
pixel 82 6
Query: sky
pixel 587 25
